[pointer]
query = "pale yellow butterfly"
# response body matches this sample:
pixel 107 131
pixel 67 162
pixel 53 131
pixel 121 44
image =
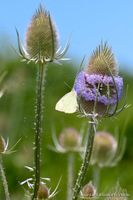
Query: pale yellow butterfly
pixel 68 103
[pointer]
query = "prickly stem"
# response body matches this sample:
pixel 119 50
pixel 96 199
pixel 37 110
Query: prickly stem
pixel 4 180
pixel 38 126
pixel 85 164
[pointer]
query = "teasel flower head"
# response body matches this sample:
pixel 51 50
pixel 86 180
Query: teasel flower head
pixel 41 40
pixel 88 191
pixel 70 140
pixel 99 88
pixel 104 148
pixel 107 149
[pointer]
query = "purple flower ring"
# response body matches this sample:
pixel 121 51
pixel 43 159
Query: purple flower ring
pixel 104 89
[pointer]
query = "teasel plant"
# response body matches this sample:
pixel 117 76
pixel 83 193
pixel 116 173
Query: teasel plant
pixel 5 150
pixel 44 192
pixel 4 147
pixel 108 150
pixel 95 95
pixel 69 143
pixel 41 48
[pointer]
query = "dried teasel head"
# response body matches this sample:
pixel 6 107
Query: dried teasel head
pixel 41 40
pixel 41 37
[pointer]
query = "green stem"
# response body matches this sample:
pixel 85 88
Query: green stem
pixel 4 181
pixel 38 127
pixel 70 175
pixel 85 164
pixel 96 176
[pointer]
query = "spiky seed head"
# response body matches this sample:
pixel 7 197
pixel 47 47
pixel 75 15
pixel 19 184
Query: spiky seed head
pixel 102 61
pixel 2 144
pixel 41 38
pixel 69 139
pixel 43 192
pixel 104 148
pixel 88 190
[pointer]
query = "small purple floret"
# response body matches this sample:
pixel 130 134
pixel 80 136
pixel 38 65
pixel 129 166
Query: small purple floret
pixel 86 87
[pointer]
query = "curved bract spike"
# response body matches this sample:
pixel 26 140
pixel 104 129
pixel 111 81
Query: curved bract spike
pixel 65 59
pixel 124 104
pixel 120 151
pixel 61 52
pixel 108 106
pixel 115 87
pixel 52 37
pixel 58 147
pixel 11 150
pixel 82 61
pixel 96 100
pixel 22 51
pixel 57 62
pixel 29 168
pixel 59 49
pixel 54 193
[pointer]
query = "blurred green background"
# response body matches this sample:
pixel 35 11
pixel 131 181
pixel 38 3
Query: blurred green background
pixel 17 121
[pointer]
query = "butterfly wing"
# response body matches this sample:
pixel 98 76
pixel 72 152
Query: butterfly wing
pixel 68 103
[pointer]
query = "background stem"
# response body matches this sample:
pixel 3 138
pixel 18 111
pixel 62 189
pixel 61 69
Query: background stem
pixel 85 164
pixel 70 174
pixel 4 181
pixel 96 176
pixel 38 126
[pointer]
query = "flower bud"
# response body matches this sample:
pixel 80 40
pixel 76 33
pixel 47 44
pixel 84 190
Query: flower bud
pixel 104 149
pixel 69 139
pixel 2 144
pixel 43 192
pixel 88 191
pixel 41 37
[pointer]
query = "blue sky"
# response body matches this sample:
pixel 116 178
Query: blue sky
pixel 88 22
